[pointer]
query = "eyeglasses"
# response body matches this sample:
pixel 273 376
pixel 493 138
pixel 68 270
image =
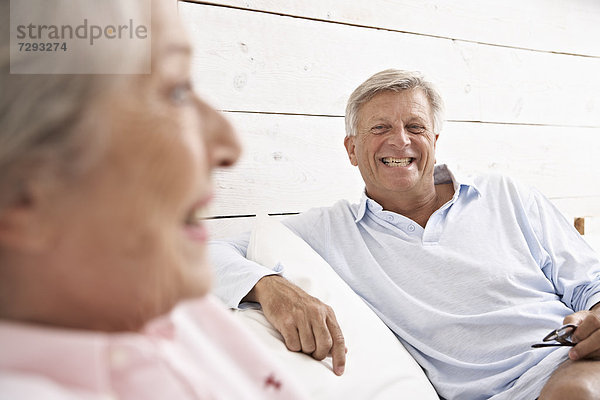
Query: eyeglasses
pixel 562 337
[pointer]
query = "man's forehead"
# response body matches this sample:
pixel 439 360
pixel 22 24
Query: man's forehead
pixel 409 102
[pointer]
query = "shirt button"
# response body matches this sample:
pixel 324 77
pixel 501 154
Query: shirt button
pixel 390 218
pixel 411 228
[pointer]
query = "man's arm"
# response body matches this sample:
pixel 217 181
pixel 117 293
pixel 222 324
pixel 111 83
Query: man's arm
pixel 306 324
pixel 574 268
pixel 234 275
pixel 566 259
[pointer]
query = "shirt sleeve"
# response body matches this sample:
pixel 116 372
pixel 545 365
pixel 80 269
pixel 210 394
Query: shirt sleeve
pixel 569 262
pixel 235 275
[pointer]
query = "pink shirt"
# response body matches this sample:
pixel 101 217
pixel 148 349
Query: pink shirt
pixel 198 351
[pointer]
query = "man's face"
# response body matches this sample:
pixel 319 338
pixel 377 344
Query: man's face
pixel 394 148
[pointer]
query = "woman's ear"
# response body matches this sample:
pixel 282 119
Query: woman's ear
pixel 23 221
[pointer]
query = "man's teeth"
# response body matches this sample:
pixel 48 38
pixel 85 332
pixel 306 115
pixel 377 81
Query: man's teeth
pixel 397 162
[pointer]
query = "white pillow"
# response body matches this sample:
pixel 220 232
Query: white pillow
pixel 377 365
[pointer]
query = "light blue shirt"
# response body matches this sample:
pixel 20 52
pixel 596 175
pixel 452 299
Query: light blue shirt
pixel 493 271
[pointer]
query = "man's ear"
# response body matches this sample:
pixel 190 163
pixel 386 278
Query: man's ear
pixel 350 149
pixel 23 223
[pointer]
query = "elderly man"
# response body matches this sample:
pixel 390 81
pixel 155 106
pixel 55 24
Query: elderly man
pixel 468 274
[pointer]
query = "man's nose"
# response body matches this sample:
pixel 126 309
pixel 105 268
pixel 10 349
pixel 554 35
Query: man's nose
pixel 399 137
pixel 222 145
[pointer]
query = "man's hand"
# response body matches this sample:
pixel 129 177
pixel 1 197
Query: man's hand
pixel 306 324
pixel 587 334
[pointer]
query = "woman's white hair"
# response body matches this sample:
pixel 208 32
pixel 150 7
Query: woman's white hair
pixel 396 81
pixel 41 117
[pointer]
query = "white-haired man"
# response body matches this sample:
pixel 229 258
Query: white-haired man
pixel 468 274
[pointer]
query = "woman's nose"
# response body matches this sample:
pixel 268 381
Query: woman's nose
pixel 222 145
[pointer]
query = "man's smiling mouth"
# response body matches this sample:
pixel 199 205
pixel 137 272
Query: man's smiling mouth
pixel 397 162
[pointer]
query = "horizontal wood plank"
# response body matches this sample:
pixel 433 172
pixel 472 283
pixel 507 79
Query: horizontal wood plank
pixel 560 26
pixel 560 162
pixel 592 227
pixel 581 207
pixel 224 228
pixel 249 61
pixel 291 163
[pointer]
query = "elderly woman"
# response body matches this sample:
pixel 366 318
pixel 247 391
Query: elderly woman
pixel 101 181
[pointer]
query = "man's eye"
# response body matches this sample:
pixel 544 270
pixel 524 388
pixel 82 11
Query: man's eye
pixel 379 129
pixel 181 93
pixel 416 129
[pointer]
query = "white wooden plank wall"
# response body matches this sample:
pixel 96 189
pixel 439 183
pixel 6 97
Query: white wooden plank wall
pixel 521 81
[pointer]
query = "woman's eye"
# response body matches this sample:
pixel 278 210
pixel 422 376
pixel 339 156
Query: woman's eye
pixel 181 93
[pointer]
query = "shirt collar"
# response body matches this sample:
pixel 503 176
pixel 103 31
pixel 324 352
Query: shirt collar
pixel 441 174
pixel 75 358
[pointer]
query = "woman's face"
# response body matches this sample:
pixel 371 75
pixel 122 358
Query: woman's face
pixel 128 243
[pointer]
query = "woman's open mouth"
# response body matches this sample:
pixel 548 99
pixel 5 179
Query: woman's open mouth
pixel 193 225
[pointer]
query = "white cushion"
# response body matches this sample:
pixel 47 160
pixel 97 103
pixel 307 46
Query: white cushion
pixel 377 365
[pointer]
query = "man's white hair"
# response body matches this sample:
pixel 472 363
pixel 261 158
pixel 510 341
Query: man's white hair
pixel 393 80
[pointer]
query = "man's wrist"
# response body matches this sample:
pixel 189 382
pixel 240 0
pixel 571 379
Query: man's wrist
pixel 260 288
